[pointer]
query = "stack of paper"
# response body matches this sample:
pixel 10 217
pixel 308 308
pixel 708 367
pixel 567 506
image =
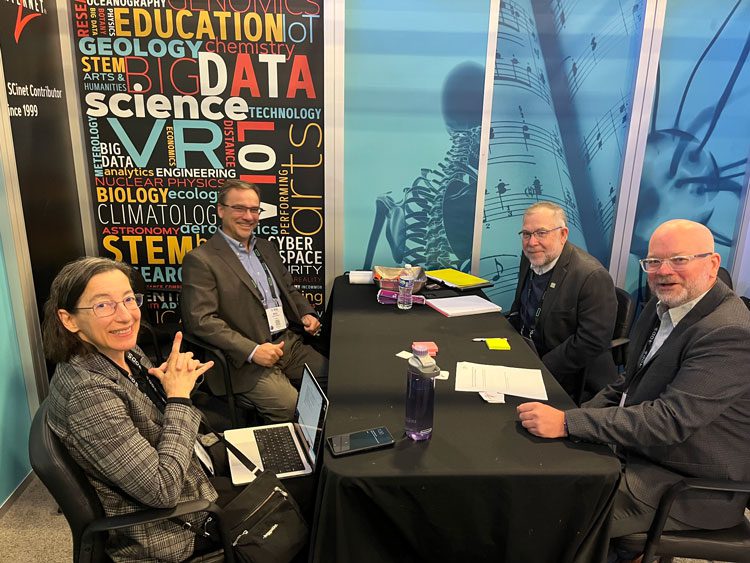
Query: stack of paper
pixel 463 305
pixel 459 280
pixel 520 382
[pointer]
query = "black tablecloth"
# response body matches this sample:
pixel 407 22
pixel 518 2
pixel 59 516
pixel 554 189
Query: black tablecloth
pixel 482 489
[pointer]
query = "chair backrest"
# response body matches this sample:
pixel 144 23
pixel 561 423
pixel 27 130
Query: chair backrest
pixel 724 275
pixel 625 315
pixel 69 486
pixel 215 411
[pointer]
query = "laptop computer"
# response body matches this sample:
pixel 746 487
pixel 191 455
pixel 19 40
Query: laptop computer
pixel 289 449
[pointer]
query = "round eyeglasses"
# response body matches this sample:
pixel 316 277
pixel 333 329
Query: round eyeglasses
pixel 108 308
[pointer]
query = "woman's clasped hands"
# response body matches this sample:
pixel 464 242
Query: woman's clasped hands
pixel 180 372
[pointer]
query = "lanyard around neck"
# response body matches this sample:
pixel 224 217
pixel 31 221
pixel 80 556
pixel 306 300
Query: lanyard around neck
pixel 635 378
pixel 649 343
pixel 159 399
pixel 268 275
pixel 538 311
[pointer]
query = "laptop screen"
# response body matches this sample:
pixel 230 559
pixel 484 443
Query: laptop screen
pixel 311 413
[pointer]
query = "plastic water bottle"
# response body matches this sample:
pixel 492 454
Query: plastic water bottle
pixel 405 287
pixel 420 393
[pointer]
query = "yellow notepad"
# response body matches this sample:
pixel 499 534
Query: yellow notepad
pixel 497 344
pixel 460 280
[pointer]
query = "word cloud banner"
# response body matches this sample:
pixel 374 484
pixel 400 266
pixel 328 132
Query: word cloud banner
pixel 179 96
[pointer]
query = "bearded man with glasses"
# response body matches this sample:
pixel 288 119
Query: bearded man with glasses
pixel 565 303
pixel 238 296
pixel 682 408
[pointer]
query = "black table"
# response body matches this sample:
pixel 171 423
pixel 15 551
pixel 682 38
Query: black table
pixel 482 489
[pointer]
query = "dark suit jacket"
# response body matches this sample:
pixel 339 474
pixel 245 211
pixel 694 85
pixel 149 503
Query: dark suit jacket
pixel 134 456
pixel 574 330
pixel 687 411
pixel 221 305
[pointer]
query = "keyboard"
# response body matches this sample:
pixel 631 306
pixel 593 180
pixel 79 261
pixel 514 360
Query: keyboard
pixel 277 450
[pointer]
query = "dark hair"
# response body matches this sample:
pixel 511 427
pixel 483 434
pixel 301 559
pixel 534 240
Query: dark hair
pixel 235 185
pixel 59 343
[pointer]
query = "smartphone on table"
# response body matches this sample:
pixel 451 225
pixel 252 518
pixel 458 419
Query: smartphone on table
pixel 360 441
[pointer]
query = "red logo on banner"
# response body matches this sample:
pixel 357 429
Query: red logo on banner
pixel 22 20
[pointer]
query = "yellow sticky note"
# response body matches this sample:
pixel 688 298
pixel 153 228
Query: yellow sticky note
pixel 497 344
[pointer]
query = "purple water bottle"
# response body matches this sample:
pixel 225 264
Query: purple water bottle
pixel 420 393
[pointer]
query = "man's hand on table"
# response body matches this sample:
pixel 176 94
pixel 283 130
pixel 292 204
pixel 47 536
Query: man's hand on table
pixel 542 420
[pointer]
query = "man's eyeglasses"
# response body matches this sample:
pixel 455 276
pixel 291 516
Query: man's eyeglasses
pixel 108 308
pixel 241 209
pixel 540 234
pixel 675 262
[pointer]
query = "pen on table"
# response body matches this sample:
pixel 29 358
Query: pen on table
pixel 479 339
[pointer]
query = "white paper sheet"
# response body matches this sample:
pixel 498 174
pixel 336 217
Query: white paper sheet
pixel 360 277
pixel 501 379
pixel 492 396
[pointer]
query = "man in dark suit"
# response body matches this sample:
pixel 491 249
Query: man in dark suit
pixel 682 408
pixel 238 296
pixel 565 302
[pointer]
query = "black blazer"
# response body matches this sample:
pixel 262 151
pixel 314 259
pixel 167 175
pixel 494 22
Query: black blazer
pixel 221 305
pixel 687 411
pixel 574 330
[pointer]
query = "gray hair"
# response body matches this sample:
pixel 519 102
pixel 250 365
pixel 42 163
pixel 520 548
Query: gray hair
pixel 548 205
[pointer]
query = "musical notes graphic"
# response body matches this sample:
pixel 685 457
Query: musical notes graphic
pixel 613 121
pixel 514 204
pixel 513 135
pixel 517 30
pixel 528 80
pixel 502 270
pixel 559 119
pixel 610 39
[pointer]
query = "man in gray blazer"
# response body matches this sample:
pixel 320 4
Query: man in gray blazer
pixel 574 297
pixel 238 296
pixel 682 408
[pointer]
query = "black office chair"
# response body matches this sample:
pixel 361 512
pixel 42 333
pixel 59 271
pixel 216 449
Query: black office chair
pixel 732 544
pixel 214 407
pixel 80 504
pixel 620 337
pixel 625 316
pixel 723 275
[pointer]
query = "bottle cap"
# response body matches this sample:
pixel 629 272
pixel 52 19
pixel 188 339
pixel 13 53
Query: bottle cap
pixel 419 350
pixel 432 348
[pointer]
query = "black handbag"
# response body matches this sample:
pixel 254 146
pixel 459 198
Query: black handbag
pixel 264 522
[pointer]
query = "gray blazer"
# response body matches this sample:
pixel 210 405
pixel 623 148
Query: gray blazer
pixel 221 305
pixel 134 456
pixel 574 329
pixel 687 411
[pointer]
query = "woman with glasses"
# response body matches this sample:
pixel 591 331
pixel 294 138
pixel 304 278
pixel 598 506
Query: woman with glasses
pixel 130 426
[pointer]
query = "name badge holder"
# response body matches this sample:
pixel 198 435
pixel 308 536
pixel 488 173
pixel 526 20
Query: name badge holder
pixel 274 315
pixel 276 319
